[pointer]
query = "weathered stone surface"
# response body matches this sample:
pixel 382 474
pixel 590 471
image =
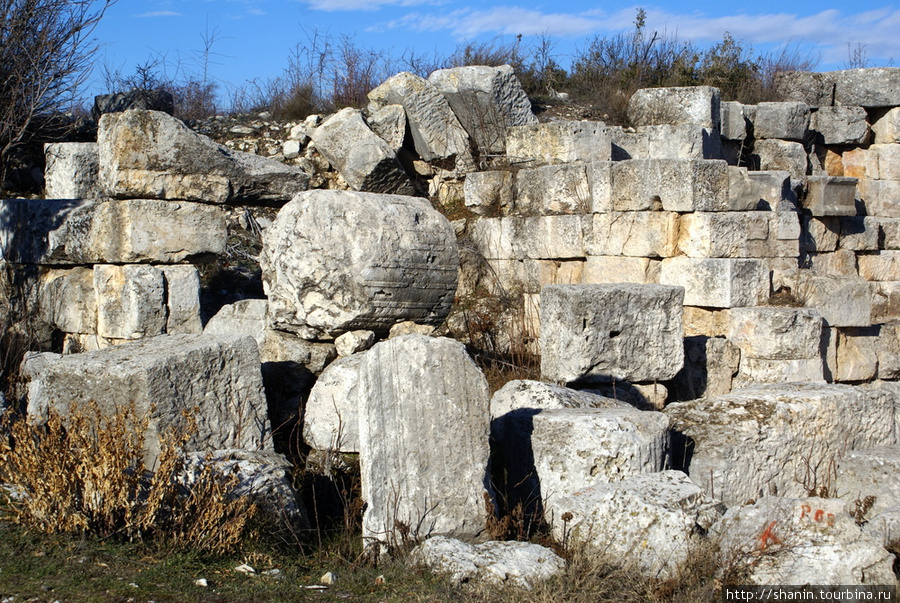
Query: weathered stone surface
pixel 860 233
pixel 553 189
pixel 436 131
pixel 856 356
pixel 870 472
pixel 885 302
pixel 162 376
pixel 519 564
pixel 782 120
pixel 860 163
pixel 814 89
pixel 611 332
pixel 243 317
pixel 85 232
pixel 362 157
pixel 734 235
pixel 765 189
pixel 67 300
pixel 881 266
pixel 408 327
pixel 324 275
pixel 829 196
pixel 777 438
pixel 644 234
pixel 182 299
pixel 71 170
pixel 801 541
pixel 489 193
pixel 783 155
pixel 429 474
pixel 352 342
pixel 820 234
pixel 646 522
pixel 887 127
pixel 487 101
pixel 560 142
pixel 131 301
pixel 717 282
pixel 389 123
pixel 754 371
pixel 843 301
pixel 545 455
pixel 617 269
pixel 686 141
pixel 888 351
pixel 699 105
pixel 331 416
pixel 706 322
pixel 871 87
pixel 540 237
pixel 879 197
pixel 841 125
pixel 521 394
pixel 710 364
pixel 735 119
pixel 152 155
pixel 155 100
pixel 773 333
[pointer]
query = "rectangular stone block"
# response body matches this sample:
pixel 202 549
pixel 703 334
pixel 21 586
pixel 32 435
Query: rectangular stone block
pixel 61 232
pixel 881 266
pixel 710 364
pixel 887 351
pixel 782 155
pixel 551 237
pixel 782 120
pixel 843 301
pixel 888 160
pixel 621 332
pixel 131 301
pixel 735 235
pixel 553 189
pixel 841 124
pixel 860 163
pixel 560 142
pixel 871 87
pixel 618 269
pixel 828 196
pixel 706 322
pixel 748 191
pixel 841 262
pixel 887 127
pixel 489 193
pixel 776 333
pixel 492 237
pixel 857 356
pixel 698 105
pixel 67 300
pixel 735 119
pixel 756 371
pixel 71 170
pixel 860 233
pixel 880 197
pixel 885 302
pixel 717 282
pixel 182 300
pixel 820 233
pixel 163 377
pixel 813 88
pixel 686 141
pixel 634 233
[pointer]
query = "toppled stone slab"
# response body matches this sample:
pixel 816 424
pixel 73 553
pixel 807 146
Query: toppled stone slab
pixel 152 155
pixel 717 282
pixel 324 275
pixel 362 157
pixel 331 415
pixel 776 439
pixel 487 101
pixel 869 472
pixel 424 426
pixel 800 541
pixel 611 332
pixel 71 170
pixel 163 377
pixel 697 105
pixel 436 131
pixel 776 333
pixel 519 564
pixel 66 232
pixel 651 523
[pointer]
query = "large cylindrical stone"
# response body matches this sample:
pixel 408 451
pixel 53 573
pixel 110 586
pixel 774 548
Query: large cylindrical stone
pixel 335 261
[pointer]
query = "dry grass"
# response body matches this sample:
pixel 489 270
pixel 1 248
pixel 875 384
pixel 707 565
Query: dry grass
pixel 84 473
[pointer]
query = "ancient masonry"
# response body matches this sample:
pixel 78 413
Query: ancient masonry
pixel 714 294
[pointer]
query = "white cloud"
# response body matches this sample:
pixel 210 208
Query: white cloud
pixel 159 13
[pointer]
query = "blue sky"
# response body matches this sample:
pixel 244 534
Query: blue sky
pixel 255 37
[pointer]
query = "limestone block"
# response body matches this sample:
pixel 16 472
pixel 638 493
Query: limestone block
pixel 67 300
pixel 829 196
pixel 813 88
pixel 778 438
pixel 152 155
pixel 617 269
pixel 843 301
pixel 522 394
pixel 754 371
pixel 131 301
pixel 424 428
pixel 506 563
pixel 611 332
pixel 888 160
pixel 556 237
pixel 887 127
pixel 768 188
pixel 686 141
pixel 546 455
pixel 781 120
pixel 833 162
pixel 332 412
pixel 710 364
pixel 734 235
pixel 243 317
pixel 871 87
pixel 856 354
pixel 352 342
pixel 885 302
pixel 801 541
pixel 493 237
pixel 880 197
pixel 841 262
pixel 560 142
pixel 820 234
pixel 363 158
pixel 655 526
pixel 774 333
pixel 389 123
pixel 782 155
pixel 182 299
pixel 860 163
pixel 487 101
pixel 489 193
pixel 860 233
pixel 644 234
pixel 408 327
pixel 553 189
pixel 841 124
pixel 706 322
pixel 163 376
pixel 71 170
pixel 698 105
pixel 717 282
pixel 436 132
pixel 324 275
pixel 870 472
pixel 60 232
pixel 880 266
pixel 735 119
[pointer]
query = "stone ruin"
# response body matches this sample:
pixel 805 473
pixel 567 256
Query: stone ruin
pixel 714 294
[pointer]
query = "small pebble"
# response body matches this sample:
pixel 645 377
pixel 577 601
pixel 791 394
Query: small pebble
pixel 245 569
pixel 328 578
pixel 201 582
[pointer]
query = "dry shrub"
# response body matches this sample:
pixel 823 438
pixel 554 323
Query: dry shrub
pixel 84 473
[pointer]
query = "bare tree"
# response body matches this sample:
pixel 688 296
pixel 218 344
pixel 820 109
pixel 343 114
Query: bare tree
pixel 46 51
